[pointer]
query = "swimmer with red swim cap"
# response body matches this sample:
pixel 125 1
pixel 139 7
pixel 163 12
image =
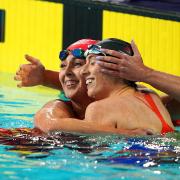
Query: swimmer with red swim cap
pixel 74 87
pixel 73 84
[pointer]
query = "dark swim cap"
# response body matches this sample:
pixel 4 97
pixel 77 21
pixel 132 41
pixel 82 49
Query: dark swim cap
pixel 117 45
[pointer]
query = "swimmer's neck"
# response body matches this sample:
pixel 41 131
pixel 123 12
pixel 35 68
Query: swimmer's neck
pixel 114 91
pixel 79 107
pixel 122 91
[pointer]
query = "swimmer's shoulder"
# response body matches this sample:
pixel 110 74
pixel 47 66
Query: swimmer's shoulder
pixel 94 110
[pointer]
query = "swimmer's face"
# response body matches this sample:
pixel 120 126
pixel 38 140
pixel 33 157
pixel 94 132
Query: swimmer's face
pixel 98 84
pixel 71 80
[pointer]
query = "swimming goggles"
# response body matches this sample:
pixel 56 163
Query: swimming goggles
pixel 94 49
pixel 77 53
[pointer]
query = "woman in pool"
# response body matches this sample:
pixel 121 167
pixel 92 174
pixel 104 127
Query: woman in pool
pixel 118 105
pixel 132 68
pixel 74 87
pixel 124 66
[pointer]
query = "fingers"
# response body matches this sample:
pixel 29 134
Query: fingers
pixel 21 76
pixel 18 78
pixel 19 72
pixel 22 67
pixel 113 53
pixel 110 72
pixel 32 59
pixel 108 59
pixel 25 69
pixel 108 65
pixel 20 85
pixel 135 49
pixel 21 79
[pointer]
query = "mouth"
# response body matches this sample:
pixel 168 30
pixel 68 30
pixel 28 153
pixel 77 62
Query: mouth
pixel 71 83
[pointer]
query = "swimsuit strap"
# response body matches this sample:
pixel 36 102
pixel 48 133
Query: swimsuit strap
pixel 165 127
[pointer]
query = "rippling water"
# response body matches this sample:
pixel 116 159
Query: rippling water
pixel 72 156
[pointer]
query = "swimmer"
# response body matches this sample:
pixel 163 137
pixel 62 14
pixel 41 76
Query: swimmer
pixel 75 89
pixel 132 68
pixel 118 104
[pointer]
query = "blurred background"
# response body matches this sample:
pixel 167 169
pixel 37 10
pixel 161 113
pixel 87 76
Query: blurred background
pixel 42 28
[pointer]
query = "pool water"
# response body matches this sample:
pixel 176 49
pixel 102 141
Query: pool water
pixel 72 156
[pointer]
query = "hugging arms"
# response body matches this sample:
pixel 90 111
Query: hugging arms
pixel 78 105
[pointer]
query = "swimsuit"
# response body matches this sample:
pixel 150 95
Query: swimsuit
pixel 62 97
pixel 165 127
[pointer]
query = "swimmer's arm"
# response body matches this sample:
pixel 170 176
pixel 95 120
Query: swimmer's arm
pixel 173 106
pixel 132 68
pixel 51 79
pixel 34 73
pixel 55 116
pixel 84 127
pixel 89 125
pixel 170 84
pixel 47 121
pixel 48 115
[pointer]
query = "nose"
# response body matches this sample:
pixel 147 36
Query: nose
pixel 84 71
pixel 68 70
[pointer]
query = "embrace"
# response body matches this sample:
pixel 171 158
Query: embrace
pixel 99 103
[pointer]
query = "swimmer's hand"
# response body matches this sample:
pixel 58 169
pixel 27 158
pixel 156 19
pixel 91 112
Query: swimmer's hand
pixel 31 74
pixel 124 66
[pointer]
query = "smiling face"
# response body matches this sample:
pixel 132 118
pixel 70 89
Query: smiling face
pixel 71 80
pixel 98 84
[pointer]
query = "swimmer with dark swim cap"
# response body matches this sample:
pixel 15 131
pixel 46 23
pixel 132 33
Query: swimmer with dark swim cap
pixel 124 103
pixel 72 60
pixel 57 115
pixel 144 109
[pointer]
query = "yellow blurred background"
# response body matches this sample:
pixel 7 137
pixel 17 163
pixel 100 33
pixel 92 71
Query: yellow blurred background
pixel 36 28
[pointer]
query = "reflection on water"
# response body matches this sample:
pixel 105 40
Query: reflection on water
pixel 24 155
pixel 91 155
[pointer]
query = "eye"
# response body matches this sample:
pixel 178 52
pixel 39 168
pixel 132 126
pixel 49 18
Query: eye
pixel 78 63
pixel 91 59
pixel 63 65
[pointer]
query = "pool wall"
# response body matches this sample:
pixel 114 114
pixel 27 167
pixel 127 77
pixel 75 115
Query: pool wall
pixel 31 27
pixel 158 39
pixel 38 28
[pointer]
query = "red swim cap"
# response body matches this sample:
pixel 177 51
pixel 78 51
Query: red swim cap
pixel 82 44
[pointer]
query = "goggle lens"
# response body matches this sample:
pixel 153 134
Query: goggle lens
pixel 63 55
pixel 77 53
pixel 94 49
